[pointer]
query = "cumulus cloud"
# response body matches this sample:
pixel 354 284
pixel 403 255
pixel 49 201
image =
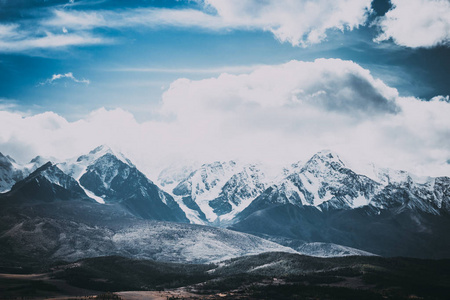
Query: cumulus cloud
pixel 68 75
pixel 277 114
pixel 299 22
pixel 416 23
pixel 331 85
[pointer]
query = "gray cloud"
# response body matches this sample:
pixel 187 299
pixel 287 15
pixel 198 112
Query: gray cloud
pixel 350 94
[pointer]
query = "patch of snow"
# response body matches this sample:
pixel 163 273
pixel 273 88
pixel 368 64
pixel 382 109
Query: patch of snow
pixel 360 201
pixel 318 249
pixel 93 196
pixel 192 215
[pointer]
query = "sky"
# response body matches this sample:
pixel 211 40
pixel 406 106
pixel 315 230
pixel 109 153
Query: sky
pixel 273 80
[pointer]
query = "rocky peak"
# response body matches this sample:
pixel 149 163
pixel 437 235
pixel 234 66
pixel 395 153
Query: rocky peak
pixel 6 161
pixel 323 160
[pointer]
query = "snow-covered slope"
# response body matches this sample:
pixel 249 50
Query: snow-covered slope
pixel 216 192
pixel 191 243
pixel 239 191
pixel 219 192
pixel 76 167
pixel 204 185
pixel 330 250
pixel 61 237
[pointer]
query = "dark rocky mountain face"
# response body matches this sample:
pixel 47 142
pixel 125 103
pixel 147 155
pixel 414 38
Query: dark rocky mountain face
pixel 383 232
pixel 47 184
pixel 117 182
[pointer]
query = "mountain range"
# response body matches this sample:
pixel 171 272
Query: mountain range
pixel 100 203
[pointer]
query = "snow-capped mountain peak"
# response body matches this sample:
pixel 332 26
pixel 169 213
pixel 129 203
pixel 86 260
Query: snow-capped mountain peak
pixel 324 161
pixel 76 167
pixel 205 184
pixel 101 151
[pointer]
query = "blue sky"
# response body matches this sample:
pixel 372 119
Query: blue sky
pixel 73 58
pixel 107 65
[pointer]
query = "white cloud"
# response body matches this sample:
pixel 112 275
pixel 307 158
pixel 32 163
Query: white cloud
pixel 299 22
pixel 416 23
pixel 149 17
pixel 15 39
pixel 8 30
pixel 7 104
pixel 277 114
pixel 68 75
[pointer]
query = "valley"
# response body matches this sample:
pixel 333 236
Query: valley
pixel 274 275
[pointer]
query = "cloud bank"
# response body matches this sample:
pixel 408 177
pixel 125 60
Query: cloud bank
pixel 416 23
pixel 277 114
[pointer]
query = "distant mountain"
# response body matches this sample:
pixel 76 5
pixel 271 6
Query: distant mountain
pixel 47 184
pixel 326 183
pixel 223 193
pixel 216 192
pixel 325 202
pixel 12 172
pixel 109 177
pixel 102 175
pixel 204 185
pixel 321 207
pixel 48 216
pixel 174 174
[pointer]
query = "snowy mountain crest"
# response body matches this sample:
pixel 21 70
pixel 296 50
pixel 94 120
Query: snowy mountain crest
pixel 12 172
pixel 220 190
pixel 101 151
pixel 216 193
